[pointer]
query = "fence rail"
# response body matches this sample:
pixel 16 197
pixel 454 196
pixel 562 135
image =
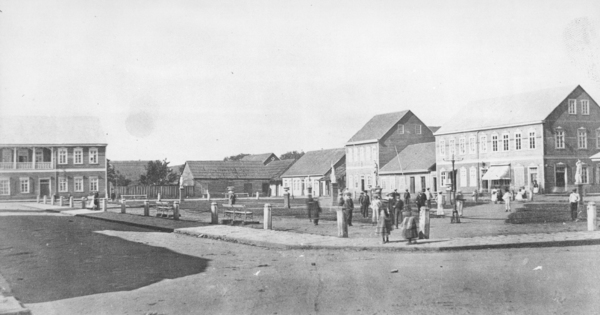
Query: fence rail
pixel 166 191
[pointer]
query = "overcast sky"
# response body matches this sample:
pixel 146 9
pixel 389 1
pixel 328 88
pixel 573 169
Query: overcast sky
pixel 200 80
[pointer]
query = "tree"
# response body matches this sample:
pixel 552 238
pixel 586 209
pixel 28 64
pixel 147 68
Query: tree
pixel 158 173
pixel 115 177
pixel 236 157
pixel 291 155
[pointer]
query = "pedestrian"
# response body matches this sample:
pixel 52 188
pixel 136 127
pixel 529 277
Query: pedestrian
pixel 391 202
pixel 232 198
pixel 398 207
pixel 384 224
pixel 409 229
pixel 407 200
pixel 421 200
pixel 507 198
pixel 429 197
pixel 460 203
pixel 375 206
pixel 309 206
pixel 364 202
pixel 112 195
pixel 96 201
pixel 574 201
pixel 348 208
pixel 316 211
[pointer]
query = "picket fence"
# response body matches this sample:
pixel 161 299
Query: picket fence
pixel 166 191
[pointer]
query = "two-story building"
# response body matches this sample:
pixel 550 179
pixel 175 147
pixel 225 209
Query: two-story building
pixel 380 140
pixel 526 140
pixel 44 156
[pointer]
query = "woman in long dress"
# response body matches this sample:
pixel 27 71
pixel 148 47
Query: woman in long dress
pixel 384 224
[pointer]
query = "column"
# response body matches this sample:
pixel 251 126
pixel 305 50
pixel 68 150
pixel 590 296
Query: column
pixel 33 159
pixel 15 158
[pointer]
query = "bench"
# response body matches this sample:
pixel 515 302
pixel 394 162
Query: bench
pixel 134 197
pixel 165 209
pixel 237 211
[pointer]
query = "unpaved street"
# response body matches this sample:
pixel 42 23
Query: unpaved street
pixel 239 279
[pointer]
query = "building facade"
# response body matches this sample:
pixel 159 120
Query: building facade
pixel 534 142
pixel 413 169
pixel 313 170
pixel 44 156
pixel 378 142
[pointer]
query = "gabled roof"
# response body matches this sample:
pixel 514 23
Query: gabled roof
pixel 238 169
pixel 414 158
pixel 315 162
pixel 264 157
pixel 434 128
pixel 42 130
pixel 378 126
pixel 519 109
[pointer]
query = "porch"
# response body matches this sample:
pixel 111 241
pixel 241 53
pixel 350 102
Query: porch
pixel 27 158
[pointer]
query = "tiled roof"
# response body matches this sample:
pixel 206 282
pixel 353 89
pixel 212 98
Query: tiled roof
pixel 315 162
pixel 130 169
pixel 414 158
pixel 237 169
pixel 378 126
pixel 40 130
pixel 259 157
pixel 532 107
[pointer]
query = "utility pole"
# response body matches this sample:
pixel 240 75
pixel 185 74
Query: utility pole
pixel 455 217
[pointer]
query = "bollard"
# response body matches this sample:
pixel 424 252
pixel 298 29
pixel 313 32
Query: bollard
pixel 61 201
pixel 424 223
pixel 52 199
pixel 342 225
pixel 158 197
pixel 37 199
pixel 257 194
pixel 146 208
pixel 286 200
pixel 214 215
pixel 83 202
pixel 123 206
pixel 104 203
pixel 440 205
pixel 459 207
pixel 176 210
pixel 71 204
pixel 268 224
pixel 591 216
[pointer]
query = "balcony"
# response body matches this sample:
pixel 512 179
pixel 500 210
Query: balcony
pixel 26 166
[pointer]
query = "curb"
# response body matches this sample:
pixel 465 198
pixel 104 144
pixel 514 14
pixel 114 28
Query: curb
pixel 142 225
pixel 10 306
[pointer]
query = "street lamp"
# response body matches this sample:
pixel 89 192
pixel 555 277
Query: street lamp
pixel 455 217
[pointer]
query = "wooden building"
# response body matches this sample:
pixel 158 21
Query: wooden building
pixel 413 169
pixel 313 170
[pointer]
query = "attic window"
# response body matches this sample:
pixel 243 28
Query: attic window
pixel 585 107
pixel 418 129
pixel 572 107
pixel 401 129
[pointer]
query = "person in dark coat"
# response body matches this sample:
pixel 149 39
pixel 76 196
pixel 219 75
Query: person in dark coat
pixel 407 200
pixel 348 208
pixel 316 211
pixel 398 207
pixel 364 202
pixel 96 201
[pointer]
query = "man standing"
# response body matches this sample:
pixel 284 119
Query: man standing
pixel 429 196
pixel 364 202
pixel 407 200
pixel 574 200
pixel 348 208
pixel 398 210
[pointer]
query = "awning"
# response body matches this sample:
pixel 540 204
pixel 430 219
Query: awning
pixel 497 172
pixel 595 157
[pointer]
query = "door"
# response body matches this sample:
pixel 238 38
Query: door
pixel 362 184
pixel 435 184
pixel 560 177
pixel 44 187
pixel 423 183
pixel 248 188
pixel 265 189
pixel 412 185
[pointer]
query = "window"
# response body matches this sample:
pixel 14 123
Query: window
pixel 472 144
pixel 517 141
pixel 598 138
pixel 368 152
pixel 451 147
pixel 79 184
pixel 443 178
pixel 462 146
pixel 494 143
pixel 93 156
pixel 78 156
pixel 473 176
pixel 401 129
pixel 584 174
pixel 532 139
pixel 505 142
pixel 585 107
pixel 572 107
pixel 62 156
pixel 483 143
pixel 443 144
pixel 418 129
pixel 94 184
pixel 582 138
pixel 368 180
pixel 463 177
pixel 24 185
pixel 62 184
pixel 4 186
pixel 559 139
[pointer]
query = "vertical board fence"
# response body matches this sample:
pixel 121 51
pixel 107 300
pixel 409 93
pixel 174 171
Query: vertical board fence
pixel 166 191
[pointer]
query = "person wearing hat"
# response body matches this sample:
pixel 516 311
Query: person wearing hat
pixel 573 201
pixel 348 208
pixel 364 202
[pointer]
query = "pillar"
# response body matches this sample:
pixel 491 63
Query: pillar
pixel 342 225
pixel 71 204
pixel 123 206
pixel 146 208
pixel 268 224
pixel 214 215
pixel 104 203
pixel 37 199
pixel 52 199
pixel 286 199
pixel 61 201
pixel 175 210
pixel 83 202
pixel 591 216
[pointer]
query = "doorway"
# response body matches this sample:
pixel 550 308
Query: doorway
pixel 560 176
pixel 44 187
pixel 362 183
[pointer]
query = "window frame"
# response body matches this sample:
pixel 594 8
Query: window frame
pixel 559 138
pixel 572 106
pixel 585 178
pixel 472 144
pixel 495 142
pixel 401 129
pixel 418 129
pixel 7 187
pixel 452 146
pixel 78 159
pixel 483 143
pixel 93 156
pixel 598 138
pixel 462 146
pixel 463 173
pixel 585 107
pixel 505 142
pixel 76 182
pixel 582 131
pixel 532 142
pixel 63 153
pixel 518 141
pixel 27 182
pixel 61 181
pixel 473 176
pixel 94 180
pixel 443 145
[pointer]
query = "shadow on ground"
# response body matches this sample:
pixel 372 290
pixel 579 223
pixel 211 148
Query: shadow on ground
pixel 51 258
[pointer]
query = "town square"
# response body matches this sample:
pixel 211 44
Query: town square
pixel 264 157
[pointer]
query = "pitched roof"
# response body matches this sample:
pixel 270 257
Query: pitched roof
pixel 414 158
pixel 315 162
pixel 238 169
pixel 434 128
pixel 259 157
pixel 519 109
pixel 42 130
pixel 378 126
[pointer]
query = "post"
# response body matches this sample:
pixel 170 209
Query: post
pixel 83 202
pixel 123 206
pixel 591 216
pixel 146 208
pixel 37 199
pixel 424 223
pixel 52 199
pixel 104 203
pixel 342 225
pixel 45 199
pixel 180 194
pixel 214 214
pixel 268 224
pixel 286 198
pixel 158 197
pixel 334 193
pixel 257 195
pixel 61 201
pixel 175 210
pixel 71 203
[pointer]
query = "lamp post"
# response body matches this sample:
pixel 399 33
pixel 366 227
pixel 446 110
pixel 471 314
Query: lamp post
pixel 455 217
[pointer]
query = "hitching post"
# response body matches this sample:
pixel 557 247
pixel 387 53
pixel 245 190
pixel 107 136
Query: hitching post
pixel 268 224
pixel 146 208
pixel 214 215
pixel 176 210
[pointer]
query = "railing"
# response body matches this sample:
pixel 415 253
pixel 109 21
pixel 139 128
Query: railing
pixel 43 165
pixel 26 165
pixel 6 165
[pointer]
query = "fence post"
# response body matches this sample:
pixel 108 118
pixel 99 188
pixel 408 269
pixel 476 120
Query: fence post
pixel 71 204
pixel 37 199
pixel 52 200
pixel 342 225
pixel 146 208
pixel 257 194
pixel 45 199
pixel 61 201
pixel 123 206
pixel 176 210
pixel 268 224
pixel 158 197
pixel 214 215
pixel 104 203
pixel 83 202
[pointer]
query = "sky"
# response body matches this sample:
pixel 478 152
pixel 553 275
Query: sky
pixel 202 80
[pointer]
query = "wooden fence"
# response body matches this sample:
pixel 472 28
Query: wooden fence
pixel 166 191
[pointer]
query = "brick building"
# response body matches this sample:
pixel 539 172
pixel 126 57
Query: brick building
pixel 378 142
pixel 44 156
pixel 526 140
pixel 313 170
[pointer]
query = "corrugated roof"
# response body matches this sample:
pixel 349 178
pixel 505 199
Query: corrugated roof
pixel 532 107
pixel 30 130
pixel 378 126
pixel 315 162
pixel 238 169
pixel 415 157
